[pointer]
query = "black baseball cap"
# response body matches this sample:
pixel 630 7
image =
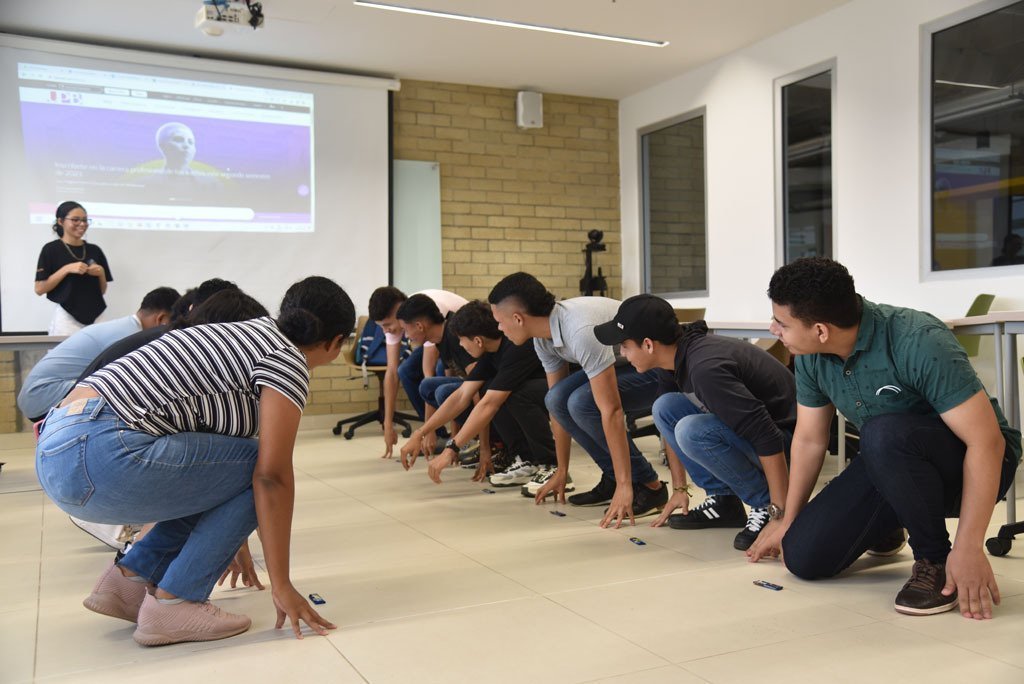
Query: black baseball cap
pixel 639 317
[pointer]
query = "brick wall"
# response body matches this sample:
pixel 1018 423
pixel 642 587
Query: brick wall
pixel 515 199
pixel 675 180
pixel 510 200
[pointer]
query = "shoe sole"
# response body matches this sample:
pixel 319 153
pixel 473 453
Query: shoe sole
pixel 716 525
pixel 906 610
pixel 111 606
pixel 158 639
pixel 887 554
pixel 603 502
pixel 528 495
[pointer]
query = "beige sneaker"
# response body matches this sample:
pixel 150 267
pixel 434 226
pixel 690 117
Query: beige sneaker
pixel 116 595
pixel 162 623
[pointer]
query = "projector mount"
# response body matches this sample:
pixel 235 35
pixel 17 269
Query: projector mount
pixel 216 15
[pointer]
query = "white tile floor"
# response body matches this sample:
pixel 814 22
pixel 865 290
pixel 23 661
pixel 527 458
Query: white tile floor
pixel 447 584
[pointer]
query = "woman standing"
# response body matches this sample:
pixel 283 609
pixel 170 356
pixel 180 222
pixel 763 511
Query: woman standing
pixel 72 273
pixel 167 433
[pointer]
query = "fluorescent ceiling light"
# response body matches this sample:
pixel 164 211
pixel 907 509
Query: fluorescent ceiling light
pixel 509 24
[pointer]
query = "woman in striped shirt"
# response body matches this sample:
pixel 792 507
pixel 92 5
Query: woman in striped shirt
pixel 167 433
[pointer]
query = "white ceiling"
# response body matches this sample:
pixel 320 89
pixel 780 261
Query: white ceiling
pixel 336 35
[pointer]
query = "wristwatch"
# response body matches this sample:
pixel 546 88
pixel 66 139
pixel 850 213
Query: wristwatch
pixel 450 444
pixel 776 512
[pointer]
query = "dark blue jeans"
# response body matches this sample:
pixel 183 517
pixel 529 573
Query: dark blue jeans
pixel 410 374
pixel 909 474
pixel 571 403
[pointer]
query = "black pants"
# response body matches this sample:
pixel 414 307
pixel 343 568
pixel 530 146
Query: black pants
pixel 909 474
pixel 522 423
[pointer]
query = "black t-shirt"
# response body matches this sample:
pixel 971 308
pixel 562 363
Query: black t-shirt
pixel 79 295
pixel 508 367
pixel 122 347
pixel 454 357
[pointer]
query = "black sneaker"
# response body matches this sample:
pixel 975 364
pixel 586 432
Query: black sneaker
pixel 922 594
pixel 756 521
pixel 647 501
pixel 469 456
pixel 890 544
pixel 601 494
pixel 714 511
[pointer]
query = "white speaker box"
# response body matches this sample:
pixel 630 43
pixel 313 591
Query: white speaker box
pixel 529 109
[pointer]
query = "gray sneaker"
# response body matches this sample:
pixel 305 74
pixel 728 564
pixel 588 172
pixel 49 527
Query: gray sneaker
pixel 545 473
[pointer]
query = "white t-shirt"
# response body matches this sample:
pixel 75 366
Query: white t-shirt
pixel 446 301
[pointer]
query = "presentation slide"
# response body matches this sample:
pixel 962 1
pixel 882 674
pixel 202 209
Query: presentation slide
pixel 190 169
pixel 169 154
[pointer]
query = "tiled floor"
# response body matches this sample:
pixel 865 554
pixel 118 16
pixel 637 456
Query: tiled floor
pixel 448 584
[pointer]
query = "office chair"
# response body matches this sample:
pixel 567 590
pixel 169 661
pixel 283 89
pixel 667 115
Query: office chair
pixel 348 355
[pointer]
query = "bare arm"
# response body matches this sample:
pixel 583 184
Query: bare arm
pixel 455 404
pixel 478 423
pixel 605 388
pixel 390 397
pixel 967 568
pixel 57 277
pixel 273 483
pixel 430 355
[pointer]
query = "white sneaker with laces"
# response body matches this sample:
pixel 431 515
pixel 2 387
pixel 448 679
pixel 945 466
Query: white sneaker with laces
pixel 545 473
pixel 519 472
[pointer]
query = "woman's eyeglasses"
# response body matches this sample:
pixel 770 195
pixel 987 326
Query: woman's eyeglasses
pixel 78 221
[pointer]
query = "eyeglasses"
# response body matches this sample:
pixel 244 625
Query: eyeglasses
pixel 76 220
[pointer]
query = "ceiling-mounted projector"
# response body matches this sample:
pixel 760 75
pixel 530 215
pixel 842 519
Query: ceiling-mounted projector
pixel 217 15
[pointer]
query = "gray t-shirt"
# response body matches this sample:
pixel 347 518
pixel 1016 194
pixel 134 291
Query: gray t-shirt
pixel 572 335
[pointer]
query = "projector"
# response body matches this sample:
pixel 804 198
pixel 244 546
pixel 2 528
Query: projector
pixel 216 15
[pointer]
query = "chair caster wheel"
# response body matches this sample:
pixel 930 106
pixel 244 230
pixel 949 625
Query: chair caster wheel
pixel 407 433
pixel 349 434
pixel 997 546
pixel 336 430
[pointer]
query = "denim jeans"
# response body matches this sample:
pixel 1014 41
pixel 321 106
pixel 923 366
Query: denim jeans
pixel 197 485
pixel 571 403
pixel 410 374
pixel 524 425
pixel 440 388
pixel 909 474
pixel 717 459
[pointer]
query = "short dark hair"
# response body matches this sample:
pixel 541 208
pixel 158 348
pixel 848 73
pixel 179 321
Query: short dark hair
pixel 817 290
pixel 525 289
pixel 316 309
pixel 226 306
pixel 181 307
pixel 474 319
pixel 419 306
pixel 383 300
pixel 210 287
pixel 160 299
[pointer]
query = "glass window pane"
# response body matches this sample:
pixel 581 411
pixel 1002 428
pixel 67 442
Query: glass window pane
pixel 807 167
pixel 676 247
pixel 978 141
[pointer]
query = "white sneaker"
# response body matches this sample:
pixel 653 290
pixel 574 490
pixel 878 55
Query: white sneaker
pixel 545 473
pixel 519 472
pixel 111 535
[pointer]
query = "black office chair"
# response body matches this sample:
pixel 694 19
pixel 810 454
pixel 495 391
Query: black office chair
pixel 348 355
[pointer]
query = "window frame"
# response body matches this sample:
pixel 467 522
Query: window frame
pixel 831 66
pixel 927 152
pixel 645 223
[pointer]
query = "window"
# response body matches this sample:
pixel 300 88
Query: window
pixel 807 167
pixel 977 155
pixel 675 232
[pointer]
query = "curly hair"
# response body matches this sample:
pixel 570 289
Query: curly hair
pixel 475 320
pixel 817 290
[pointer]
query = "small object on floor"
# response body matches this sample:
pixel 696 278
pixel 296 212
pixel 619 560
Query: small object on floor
pixel 638 541
pixel 317 599
pixel 768 585
pixel 487 491
pixel 560 514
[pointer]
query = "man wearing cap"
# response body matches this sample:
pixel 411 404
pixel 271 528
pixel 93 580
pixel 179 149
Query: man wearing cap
pixel 588 405
pixel 729 416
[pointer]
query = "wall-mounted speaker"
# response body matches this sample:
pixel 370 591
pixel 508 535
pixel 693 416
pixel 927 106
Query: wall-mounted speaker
pixel 529 109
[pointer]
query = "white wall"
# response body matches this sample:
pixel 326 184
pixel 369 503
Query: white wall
pixel 877 162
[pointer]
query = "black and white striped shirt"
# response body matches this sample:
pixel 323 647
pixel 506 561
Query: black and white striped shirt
pixel 204 379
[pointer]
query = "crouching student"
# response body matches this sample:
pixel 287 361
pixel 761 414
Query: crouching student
pixel 730 420
pixel 511 384
pixel 932 443
pixel 167 433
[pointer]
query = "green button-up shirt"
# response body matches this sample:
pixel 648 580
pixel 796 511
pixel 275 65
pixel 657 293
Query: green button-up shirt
pixel 903 361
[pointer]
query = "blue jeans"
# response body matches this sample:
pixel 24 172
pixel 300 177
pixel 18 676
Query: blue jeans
pixel 443 390
pixel 717 459
pixel 410 374
pixel 197 485
pixel 571 403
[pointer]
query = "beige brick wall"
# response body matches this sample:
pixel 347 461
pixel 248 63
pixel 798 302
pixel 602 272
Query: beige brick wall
pixel 510 200
pixel 515 199
pixel 10 417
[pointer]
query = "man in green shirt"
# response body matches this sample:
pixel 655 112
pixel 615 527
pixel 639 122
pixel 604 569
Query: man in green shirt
pixel 932 443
